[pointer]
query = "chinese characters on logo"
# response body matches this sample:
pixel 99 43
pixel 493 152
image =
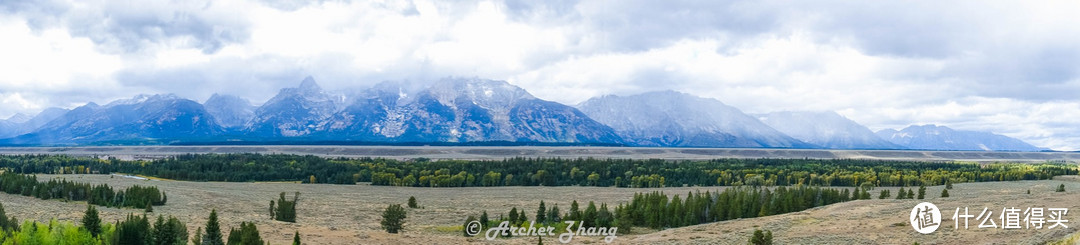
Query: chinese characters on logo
pixel 1014 218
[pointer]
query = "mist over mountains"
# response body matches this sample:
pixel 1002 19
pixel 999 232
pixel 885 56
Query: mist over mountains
pixel 468 110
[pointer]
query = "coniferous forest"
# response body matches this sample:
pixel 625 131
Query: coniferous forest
pixel 542 171
pixel 135 196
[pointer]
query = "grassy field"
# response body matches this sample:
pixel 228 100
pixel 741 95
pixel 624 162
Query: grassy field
pixel 349 214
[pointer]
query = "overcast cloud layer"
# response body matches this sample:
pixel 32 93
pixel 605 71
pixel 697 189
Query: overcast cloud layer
pixel 1006 67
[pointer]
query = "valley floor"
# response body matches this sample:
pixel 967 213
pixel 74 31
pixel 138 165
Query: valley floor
pixel 350 214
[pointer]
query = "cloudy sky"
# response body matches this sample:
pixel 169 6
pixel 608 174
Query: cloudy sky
pixel 1006 67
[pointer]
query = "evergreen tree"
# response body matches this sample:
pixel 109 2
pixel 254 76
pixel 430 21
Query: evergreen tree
pixel 484 219
pixel 604 217
pixel 135 230
pixel 1061 188
pixel 513 216
pixel 90 220
pixel 412 202
pixel 922 191
pixel 589 217
pixel 575 213
pixel 465 227
pixel 213 234
pixel 901 194
pixel 393 218
pixel 758 238
pixel 4 224
pixel 149 208
pixel 910 194
pixel 624 219
pixel 884 194
pixel 296 238
pixel 272 209
pixel 197 239
pixel 541 213
pixel 286 209
pixel 1029 191
pixel 553 214
pixel 248 234
pixel 948 184
pixel 944 192
pixel 768 238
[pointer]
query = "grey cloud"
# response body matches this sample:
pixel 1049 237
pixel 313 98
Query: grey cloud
pixel 129 27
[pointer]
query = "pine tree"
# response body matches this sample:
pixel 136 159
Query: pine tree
pixel 944 192
pixel 922 191
pixel 133 230
pixel 768 238
pixel 248 234
pixel 604 217
pixel 1061 188
pixel 465 227
pixel 901 194
pixel 758 238
pixel 513 216
pixel 553 214
pixel 4 224
pixel 541 213
pixel 575 213
pixel 393 218
pixel 213 234
pixel 948 184
pixel 272 209
pixel 589 217
pixel 197 240
pixel 90 220
pixel 296 238
pixel 910 194
pixel 412 202
pixel 624 219
pixel 883 194
pixel 484 219
pixel 149 208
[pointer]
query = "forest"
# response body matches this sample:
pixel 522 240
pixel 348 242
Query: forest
pixel 658 210
pixel 135 196
pixel 541 171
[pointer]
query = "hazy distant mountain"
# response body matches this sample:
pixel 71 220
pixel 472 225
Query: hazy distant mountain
pixel 17 118
pixel 294 112
pixel 671 118
pixel 826 129
pixel 20 123
pixel 229 111
pixel 462 110
pixel 934 137
pixel 141 118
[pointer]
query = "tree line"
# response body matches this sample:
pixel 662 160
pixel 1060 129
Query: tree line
pixel 132 230
pixel 658 210
pixel 103 195
pixel 543 171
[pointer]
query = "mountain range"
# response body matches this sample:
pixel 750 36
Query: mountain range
pixel 468 110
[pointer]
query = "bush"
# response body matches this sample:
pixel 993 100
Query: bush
pixel 1061 188
pixel 761 238
pixel 393 218
pixel 412 202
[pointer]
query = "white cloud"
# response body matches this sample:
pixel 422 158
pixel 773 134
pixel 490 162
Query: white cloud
pixel 996 66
